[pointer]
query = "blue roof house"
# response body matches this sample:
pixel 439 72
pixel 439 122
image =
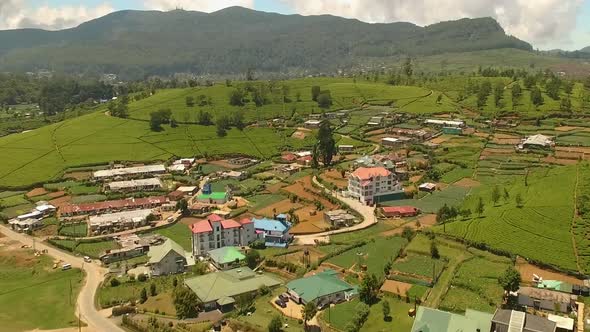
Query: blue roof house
pixel 275 233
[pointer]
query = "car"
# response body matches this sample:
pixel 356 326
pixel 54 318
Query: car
pixel 280 303
pixel 323 306
pixel 66 267
pixel 87 259
pixel 284 297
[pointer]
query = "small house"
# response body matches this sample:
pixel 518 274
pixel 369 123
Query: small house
pixel 168 258
pixel 545 299
pixel 321 288
pixel 226 258
pixel 428 187
pixel 345 148
pixel 518 321
pixel 391 141
pixel 339 218
pixel 312 124
pixel 400 211
pixel 25 225
pixel 216 197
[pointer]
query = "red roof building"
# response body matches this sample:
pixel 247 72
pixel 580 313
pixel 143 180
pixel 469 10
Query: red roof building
pixel 290 157
pixel 368 173
pixel 202 226
pixel 400 211
pixel 216 232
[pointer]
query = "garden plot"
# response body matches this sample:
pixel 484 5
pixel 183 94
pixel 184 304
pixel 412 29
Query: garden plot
pixel 420 267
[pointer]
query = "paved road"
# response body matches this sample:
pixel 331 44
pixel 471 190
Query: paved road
pixel 367 212
pixel 94 276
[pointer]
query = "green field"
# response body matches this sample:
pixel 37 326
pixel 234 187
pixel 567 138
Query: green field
pixel 431 203
pixel 260 201
pixel 342 314
pixel 33 296
pixel 15 200
pixel 419 265
pixel 375 254
pixel 539 230
pixel 79 230
pixel 179 233
pixel 94 249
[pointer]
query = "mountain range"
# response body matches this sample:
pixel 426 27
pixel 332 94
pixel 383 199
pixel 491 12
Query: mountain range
pixel 233 40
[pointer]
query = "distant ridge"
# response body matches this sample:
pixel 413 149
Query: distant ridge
pixel 136 43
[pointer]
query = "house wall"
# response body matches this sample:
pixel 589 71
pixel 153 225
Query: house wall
pixel 543 304
pixel 378 186
pixel 169 265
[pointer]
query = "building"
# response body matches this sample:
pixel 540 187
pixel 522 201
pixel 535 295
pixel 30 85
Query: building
pixel 563 324
pixel 188 190
pixel 545 299
pixel 131 246
pixel 215 197
pixel 25 225
pixel 177 168
pixel 433 320
pixel 400 211
pixel 168 258
pixel 199 208
pixel 216 232
pixel 536 141
pixel 556 285
pixel 321 288
pixel 371 185
pixel 129 172
pixel 518 321
pixel 226 258
pixel 375 121
pixel 236 175
pixel 445 123
pixel 312 124
pixel 118 221
pixel 218 290
pixel 134 185
pixel 391 142
pixel 340 218
pixel 428 187
pixel 452 130
pixel 73 210
pixel 274 232
pixel 289 157
pixel 345 148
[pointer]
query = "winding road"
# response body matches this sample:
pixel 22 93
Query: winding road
pixel 94 276
pixel 368 213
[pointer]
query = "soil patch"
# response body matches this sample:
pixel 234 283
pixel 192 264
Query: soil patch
pixel 59 202
pixel 467 183
pixel 566 128
pixel 78 175
pixel 440 139
pixel 36 192
pixel 279 207
pixel 57 194
pixel 528 270
pixel 18 257
pixel 396 287
pixel 225 164
pixel 299 135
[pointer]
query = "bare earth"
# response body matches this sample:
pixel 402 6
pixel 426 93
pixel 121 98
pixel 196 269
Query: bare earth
pixel 527 270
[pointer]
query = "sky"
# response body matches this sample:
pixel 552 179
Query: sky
pixel 547 24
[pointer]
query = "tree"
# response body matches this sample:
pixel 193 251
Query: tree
pixel 153 291
pixel 369 289
pixel 244 303
pixel 536 96
pixel 186 303
pixel 480 207
pixel 565 105
pixel 495 195
pixel 190 101
pixel 237 120
pixel 326 144
pixel 498 93
pixel 516 93
pixel 275 324
pixel 408 70
pixel 252 258
pixel 506 195
pixel 438 101
pixel 325 99
pixel 466 213
pixel 236 98
pixel 510 280
pixel 221 128
pixel 408 233
pixel 385 309
pixel 204 118
pixel 315 92
pixel 143 295
pixel 518 200
pixel 587 82
pixel 308 312
pixel 182 206
pixel 434 250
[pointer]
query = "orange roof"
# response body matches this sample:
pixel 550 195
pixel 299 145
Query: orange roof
pixel 246 221
pixel 119 204
pixel 367 173
pixel 230 223
pixel 400 209
pixel 202 226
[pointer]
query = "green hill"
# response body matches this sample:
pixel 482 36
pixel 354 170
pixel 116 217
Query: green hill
pixel 585 49
pixel 135 43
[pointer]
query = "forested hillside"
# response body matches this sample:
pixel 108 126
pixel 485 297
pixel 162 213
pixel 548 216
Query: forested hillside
pixel 136 43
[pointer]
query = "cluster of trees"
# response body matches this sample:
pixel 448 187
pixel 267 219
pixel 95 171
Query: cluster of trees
pixel 261 93
pixel 225 122
pixel 119 108
pixel 322 97
pixel 201 100
pixel 361 314
pixel 56 95
pixel 158 118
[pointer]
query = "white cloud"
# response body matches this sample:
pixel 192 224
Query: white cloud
pixel 542 22
pixel 21 14
pixel 199 5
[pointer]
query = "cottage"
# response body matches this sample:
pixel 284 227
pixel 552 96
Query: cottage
pixel 340 218
pixel 25 225
pixel 218 290
pixel 226 258
pixel 188 190
pixel 445 123
pixel 536 141
pixel 321 288
pixel 134 185
pixel 517 321
pixel 118 221
pixel 177 168
pixel 168 258
pixel 391 142
pixel 217 197
pixel 131 246
pixel 345 148
pixel 289 157
pixel 452 130
pixel 176 196
pixel 433 320
pixel 428 187
pixel 236 175
pixel 312 124
pixel 400 211
pixel 375 121
pixel 199 208
pixel 545 299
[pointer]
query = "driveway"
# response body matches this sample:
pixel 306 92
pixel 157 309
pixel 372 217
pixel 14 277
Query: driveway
pixel 367 212
pixel 94 276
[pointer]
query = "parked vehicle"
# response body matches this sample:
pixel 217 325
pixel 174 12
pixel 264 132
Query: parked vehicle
pixel 66 266
pixel 87 259
pixel 280 303
pixel 284 297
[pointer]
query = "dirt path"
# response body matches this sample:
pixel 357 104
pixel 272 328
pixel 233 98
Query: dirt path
pixel 94 276
pixel 574 219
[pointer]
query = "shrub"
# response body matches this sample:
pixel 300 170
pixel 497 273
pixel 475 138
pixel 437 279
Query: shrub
pixel 119 311
pixel 141 278
pixel 115 282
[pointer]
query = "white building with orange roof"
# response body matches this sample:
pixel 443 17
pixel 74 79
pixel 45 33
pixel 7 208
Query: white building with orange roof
pixel 373 184
pixel 216 232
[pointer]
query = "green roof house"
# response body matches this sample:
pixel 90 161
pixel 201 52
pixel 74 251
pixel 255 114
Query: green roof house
pixel 220 289
pixel 216 197
pixel 226 257
pixel 169 258
pixel 432 320
pixel 323 287
pixel 556 285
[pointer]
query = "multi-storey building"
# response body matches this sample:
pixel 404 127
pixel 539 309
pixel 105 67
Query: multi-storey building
pixel 374 184
pixel 216 232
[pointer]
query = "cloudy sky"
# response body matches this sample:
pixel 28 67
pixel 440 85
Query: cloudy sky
pixel 545 23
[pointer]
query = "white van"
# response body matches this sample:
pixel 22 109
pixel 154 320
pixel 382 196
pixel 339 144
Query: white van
pixel 66 266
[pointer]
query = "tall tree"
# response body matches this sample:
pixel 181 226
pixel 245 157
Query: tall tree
pixel 326 143
pixel 186 302
pixel 275 324
pixel 385 309
pixel 565 105
pixel 369 289
pixel 252 258
pixel 510 280
pixel 536 96
pixel 495 195
pixel 408 69
pixel 315 92
pixel 516 93
pixel 480 207
pixel 308 312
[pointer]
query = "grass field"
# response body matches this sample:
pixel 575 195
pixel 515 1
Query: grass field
pixel 94 249
pixel 79 230
pixel 342 314
pixel 179 233
pixel 32 295
pixel 539 230
pixel 374 255
pixel 15 200
pixel 419 265
pixel 107 295
pixel 260 201
pixel 431 203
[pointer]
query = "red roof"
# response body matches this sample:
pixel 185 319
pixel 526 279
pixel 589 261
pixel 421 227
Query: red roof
pixel 230 223
pixel 306 158
pixel 246 221
pixel 119 204
pixel 367 173
pixel 400 209
pixel 214 218
pixel 202 226
pixel 289 157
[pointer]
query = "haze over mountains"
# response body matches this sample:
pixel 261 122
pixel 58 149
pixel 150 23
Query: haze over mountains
pixel 136 43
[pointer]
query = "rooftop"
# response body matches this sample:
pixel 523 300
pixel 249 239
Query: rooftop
pixel 432 320
pixel 134 183
pixel 125 216
pixel 214 286
pixel 271 225
pixel 545 294
pixel 119 204
pixel 157 253
pixel 367 173
pixel 129 171
pixel 226 255
pixel 531 322
pixel 318 285
pixel 214 195
pixel 399 209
